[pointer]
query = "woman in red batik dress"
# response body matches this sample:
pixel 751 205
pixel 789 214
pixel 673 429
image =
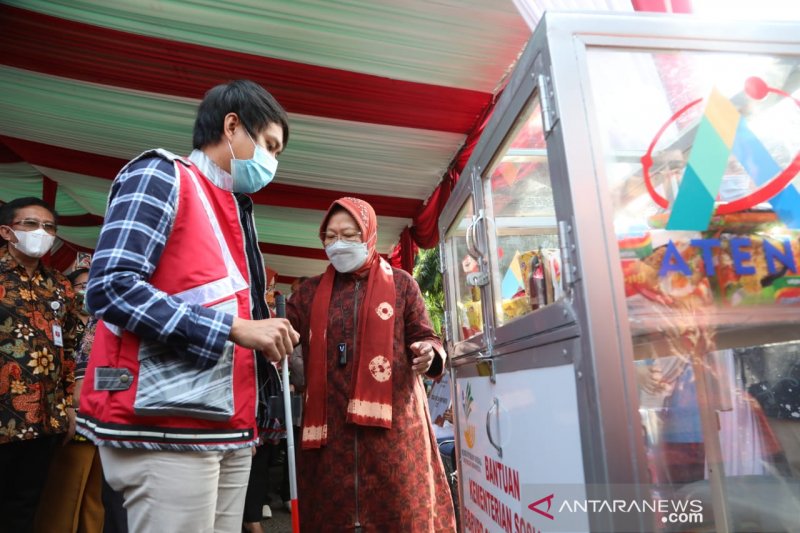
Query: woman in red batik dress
pixel 368 459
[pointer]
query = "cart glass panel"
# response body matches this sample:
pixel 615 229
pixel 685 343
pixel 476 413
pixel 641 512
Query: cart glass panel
pixel 468 319
pixel 702 151
pixel 526 270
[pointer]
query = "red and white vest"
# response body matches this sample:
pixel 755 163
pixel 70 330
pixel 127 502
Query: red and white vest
pixel 140 393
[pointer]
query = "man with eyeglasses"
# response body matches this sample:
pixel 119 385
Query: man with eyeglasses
pixel 38 326
pixel 177 281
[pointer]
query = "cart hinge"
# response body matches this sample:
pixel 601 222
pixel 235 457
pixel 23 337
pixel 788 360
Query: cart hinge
pixel 486 366
pixel 569 259
pixel 477 279
pixel 548 100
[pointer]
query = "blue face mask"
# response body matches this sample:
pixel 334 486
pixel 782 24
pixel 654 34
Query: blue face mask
pixel 251 175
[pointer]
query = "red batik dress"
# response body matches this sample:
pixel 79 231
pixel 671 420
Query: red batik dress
pixel 381 479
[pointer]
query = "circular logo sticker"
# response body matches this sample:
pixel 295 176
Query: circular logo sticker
pixel 380 368
pixel 385 311
pixel 756 89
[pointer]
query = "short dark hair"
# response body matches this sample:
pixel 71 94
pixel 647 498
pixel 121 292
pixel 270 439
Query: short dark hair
pixel 75 273
pixel 9 210
pixel 253 104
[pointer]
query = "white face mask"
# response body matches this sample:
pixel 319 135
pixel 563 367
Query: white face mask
pixel 33 243
pixel 347 256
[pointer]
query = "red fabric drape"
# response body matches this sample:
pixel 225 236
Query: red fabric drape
pixel 61 259
pixel 66 254
pixel 424 232
pixel 405 253
pixel 7 155
pixel 49 190
pixel 81 221
pixel 292 251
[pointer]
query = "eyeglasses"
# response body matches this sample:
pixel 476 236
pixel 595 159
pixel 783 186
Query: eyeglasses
pixel 31 224
pixel 347 236
pixel 79 286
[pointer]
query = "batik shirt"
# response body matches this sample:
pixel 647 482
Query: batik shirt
pixel 36 374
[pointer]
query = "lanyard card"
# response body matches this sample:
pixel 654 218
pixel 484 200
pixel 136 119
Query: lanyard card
pixel 58 339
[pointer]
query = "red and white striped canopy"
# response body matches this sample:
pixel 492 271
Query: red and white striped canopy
pixel 381 96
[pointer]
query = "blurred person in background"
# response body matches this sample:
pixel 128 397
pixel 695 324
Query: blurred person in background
pixel 71 499
pixel 256 505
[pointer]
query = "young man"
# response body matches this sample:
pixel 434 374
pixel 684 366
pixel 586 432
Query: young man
pixel 38 323
pixel 170 393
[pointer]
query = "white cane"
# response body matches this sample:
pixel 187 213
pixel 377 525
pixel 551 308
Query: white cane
pixel 280 312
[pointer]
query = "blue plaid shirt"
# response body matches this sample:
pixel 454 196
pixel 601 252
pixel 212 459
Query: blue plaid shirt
pixel 140 215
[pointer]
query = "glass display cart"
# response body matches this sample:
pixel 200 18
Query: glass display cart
pixel 621 263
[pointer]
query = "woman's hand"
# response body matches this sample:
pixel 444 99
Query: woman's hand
pixel 423 356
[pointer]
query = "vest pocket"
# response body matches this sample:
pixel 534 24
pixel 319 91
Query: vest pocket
pixel 170 385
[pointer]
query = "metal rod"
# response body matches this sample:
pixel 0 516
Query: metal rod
pixel 287 403
pixel 280 312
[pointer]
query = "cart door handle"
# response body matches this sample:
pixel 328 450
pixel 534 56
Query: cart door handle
pixel 496 408
pixel 472 248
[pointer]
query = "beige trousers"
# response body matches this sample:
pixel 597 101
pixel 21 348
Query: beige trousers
pixel 167 491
